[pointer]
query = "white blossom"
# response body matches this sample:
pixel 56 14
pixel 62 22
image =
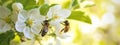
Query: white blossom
pixel 4 19
pixel 29 23
pixel 57 14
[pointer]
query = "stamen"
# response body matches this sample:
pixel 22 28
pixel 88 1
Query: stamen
pixel 56 17
pixel 29 22
pixel 7 19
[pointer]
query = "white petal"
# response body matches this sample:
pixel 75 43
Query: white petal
pixel 36 28
pixel 64 13
pixel 28 34
pixel 14 17
pixel 23 15
pixel 52 11
pixel 56 22
pixel 35 15
pixel 34 12
pixel 40 19
pixel 58 42
pixel 4 26
pixel 64 36
pixel 49 14
pixel 20 26
pixel 56 8
pixel 108 18
pixel 4 12
pixel 37 18
pixel 58 27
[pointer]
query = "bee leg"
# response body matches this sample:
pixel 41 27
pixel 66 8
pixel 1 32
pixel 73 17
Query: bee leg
pixel 61 30
pixel 42 24
pixel 62 23
pixel 40 32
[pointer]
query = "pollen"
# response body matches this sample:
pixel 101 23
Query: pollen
pixel 29 22
pixel 7 19
pixel 56 17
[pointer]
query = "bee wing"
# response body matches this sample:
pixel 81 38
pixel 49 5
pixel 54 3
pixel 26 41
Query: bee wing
pixel 64 36
pixel 40 31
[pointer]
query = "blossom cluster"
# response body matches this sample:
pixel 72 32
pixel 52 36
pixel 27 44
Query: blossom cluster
pixel 32 23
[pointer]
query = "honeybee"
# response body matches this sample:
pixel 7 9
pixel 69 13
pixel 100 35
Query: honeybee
pixel 45 28
pixel 66 28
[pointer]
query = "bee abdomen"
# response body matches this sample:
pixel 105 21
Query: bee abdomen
pixel 44 32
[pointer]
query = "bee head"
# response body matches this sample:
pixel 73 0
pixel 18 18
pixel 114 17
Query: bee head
pixel 45 21
pixel 66 22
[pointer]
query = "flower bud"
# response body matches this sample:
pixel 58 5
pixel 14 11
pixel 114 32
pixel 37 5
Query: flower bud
pixel 17 7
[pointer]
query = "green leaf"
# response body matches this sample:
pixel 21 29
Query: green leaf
pixel 75 4
pixel 40 2
pixel 3 1
pixel 5 38
pixel 67 4
pixel 44 9
pixel 80 16
pixel 28 4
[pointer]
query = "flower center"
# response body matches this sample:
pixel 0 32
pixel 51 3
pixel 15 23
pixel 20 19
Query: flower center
pixel 7 19
pixel 56 17
pixel 29 22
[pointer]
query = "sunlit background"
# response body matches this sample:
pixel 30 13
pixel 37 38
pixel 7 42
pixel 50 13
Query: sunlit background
pixel 104 29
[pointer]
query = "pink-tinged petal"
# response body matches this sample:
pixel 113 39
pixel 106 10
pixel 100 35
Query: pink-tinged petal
pixel 20 26
pixel 27 33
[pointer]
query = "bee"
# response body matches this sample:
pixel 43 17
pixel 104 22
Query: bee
pixel 45 28
pixel 66 26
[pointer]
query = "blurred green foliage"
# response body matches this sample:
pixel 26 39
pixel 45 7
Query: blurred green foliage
pixel 5 38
